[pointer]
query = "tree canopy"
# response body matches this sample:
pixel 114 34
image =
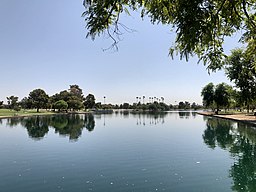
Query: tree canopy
pixel 38 98
pixel 240 70
pixel 201 25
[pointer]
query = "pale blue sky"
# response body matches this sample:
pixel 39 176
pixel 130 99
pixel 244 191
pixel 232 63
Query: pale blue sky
pixel 43 45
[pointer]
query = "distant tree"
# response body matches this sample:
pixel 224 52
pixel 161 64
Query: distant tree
pixel 75 103
pixel 38 98
pixel 12 102
pixel 208 95
pixel 61 105
pixel 26 103
pixel 182 105
pixel 164 107
pixel 217 96
pixel 89 102
pixel 222 96
pixel 187 105
pixel 1 103
pixel 193 106
pixel 98 105
pixel 126 106
pixel 152 107
pixel 75 90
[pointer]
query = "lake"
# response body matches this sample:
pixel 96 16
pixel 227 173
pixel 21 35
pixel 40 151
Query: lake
pixel 125 152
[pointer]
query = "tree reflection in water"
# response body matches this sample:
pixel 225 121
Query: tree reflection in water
pixel 184 114
pixel 151 118
pixel 72 125
pixel 68 125
pixel 240 140
pixel 37 126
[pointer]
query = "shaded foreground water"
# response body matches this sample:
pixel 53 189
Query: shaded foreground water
pixel 175 151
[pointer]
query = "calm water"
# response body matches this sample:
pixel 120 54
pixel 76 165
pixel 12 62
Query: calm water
pixel 121 152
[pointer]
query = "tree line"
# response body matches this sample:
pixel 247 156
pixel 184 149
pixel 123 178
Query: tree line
pixel 71 99
pixel 74 100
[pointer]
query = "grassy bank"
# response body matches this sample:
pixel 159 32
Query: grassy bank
pixel 11 113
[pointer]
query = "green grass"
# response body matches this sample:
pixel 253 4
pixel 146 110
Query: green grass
pixel 12 113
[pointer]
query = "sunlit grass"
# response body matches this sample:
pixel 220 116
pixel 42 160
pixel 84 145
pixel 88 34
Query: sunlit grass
pixel 11 113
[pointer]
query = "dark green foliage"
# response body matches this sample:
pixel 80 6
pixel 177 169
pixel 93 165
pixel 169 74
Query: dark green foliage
pixel 208 95
pixel 89 102
pixel 184 105
pixel 125 106
pixel 75 103
pixel 217 96
pixel 12 102
pixel 240 70
pixel 201 25
pixel 26 103
pixel 222 96
pixel 73 97
pixel 61 105
pixel 38 98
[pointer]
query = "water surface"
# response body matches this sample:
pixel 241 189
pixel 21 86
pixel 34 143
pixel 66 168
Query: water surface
pixel 175 151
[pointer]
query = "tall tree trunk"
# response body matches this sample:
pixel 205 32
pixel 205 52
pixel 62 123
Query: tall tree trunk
pixel 37 110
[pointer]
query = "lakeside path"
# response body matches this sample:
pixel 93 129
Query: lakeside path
pixel 235 117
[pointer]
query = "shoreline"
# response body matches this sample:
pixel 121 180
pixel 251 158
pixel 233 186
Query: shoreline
pixel 41 114
pixel 245 118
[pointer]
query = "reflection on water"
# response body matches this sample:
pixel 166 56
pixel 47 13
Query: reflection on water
pixel 164 152
pixel 37 127
pixel 67 125
pixel 149 118
pixel 72 125
pixel 240 140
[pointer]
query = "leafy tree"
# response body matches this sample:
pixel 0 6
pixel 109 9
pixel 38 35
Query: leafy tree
pixel 208 95
pixel 181 105
pixel 61 105
pixel 26 103
pixel 240 70
pixel 75 103
pixel 89 102
pixel 1 103
pixel 219 96
pixel 38 98
pixel 201 25
pixel 75 90
pixel 222 96
pixel 12 102
pixel 125 106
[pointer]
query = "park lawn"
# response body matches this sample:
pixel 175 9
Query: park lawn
pixel 12 113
